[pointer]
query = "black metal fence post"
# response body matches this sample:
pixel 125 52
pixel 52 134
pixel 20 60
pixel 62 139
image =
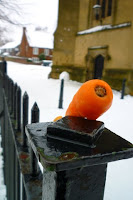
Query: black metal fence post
pixel 25 108
pixel 10 94
pixel 7 87
pixel 18 109
pixel 23 197
pixel 123 88
pixel 12 87
pixel 14 100
pixel 35 113
pixel 16 148
pixel 25 117
pixel 33 159
pixel 61 94
pixel 17 184
pixel 4 63
pixel 18 130
pixel 75 170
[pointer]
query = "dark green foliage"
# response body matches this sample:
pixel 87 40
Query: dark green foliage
pixel 41 56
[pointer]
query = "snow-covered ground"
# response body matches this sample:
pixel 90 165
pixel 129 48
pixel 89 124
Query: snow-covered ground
pixel 2 186
pixel 34 80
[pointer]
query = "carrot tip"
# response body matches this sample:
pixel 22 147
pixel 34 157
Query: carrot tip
pixel 57 118
pixel 100 91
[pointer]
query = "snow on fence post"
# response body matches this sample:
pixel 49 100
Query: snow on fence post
pixel 33 159
pixel 61 94
pixel 25 117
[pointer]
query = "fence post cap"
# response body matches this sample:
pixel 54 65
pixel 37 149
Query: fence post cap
pixel 61 155
pixel 35 107
pixel 25 95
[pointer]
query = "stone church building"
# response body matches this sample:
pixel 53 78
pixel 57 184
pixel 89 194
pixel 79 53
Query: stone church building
pixel 94 39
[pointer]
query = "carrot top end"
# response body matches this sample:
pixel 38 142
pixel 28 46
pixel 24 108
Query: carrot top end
pixel 100 91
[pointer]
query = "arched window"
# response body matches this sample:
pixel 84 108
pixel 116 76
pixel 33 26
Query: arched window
pixel 103 8
pixel 106 7
pixel 98 2
pixel 109 7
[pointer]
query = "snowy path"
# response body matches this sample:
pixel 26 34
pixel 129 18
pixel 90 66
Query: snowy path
pixel 45 92
pixel 2 186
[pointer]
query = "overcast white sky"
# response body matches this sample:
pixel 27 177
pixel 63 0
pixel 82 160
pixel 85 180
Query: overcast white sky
pixel 42 13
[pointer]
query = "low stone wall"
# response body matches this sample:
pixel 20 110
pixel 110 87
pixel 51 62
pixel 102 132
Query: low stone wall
pixel 20 60
pixel 114 77
pixel 75 73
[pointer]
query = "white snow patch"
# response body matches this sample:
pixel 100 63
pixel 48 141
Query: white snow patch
pixel 64 75
pixel 103 27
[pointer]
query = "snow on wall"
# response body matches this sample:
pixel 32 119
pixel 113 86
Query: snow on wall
pixel 103 27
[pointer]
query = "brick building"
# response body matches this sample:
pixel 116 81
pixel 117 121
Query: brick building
pixel 94 39
pixel 35 43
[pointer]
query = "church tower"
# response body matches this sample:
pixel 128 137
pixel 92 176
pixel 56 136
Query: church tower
pixel 65 36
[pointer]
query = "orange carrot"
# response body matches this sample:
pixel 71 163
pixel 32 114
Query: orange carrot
pixel 92 99
pixel 57 118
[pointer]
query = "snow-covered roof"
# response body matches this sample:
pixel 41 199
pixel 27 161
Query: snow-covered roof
pixel 102 28
pixel 40 39
pixel 10 45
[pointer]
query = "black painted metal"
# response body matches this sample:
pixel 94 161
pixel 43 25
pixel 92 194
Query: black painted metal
pixel 9 93
pixel 109 147
pixel 24 197
pixel 4 63
pixel 13 168
pixel 85 183
pixel 33 159
pixel 61 94
pixel 25 117
pixel 8 89
pixel 70 167
pixel 14 101
pixel 12 87
pixel 76 130
pixel 123 88
pixel 17 192
pixel 32 185
pixel 35 113
pixel 18 109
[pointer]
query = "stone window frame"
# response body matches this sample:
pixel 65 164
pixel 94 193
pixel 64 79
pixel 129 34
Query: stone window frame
pixel 107 18
pixel 106 7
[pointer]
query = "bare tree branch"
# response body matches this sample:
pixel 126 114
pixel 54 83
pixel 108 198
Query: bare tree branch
pixel 8 8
